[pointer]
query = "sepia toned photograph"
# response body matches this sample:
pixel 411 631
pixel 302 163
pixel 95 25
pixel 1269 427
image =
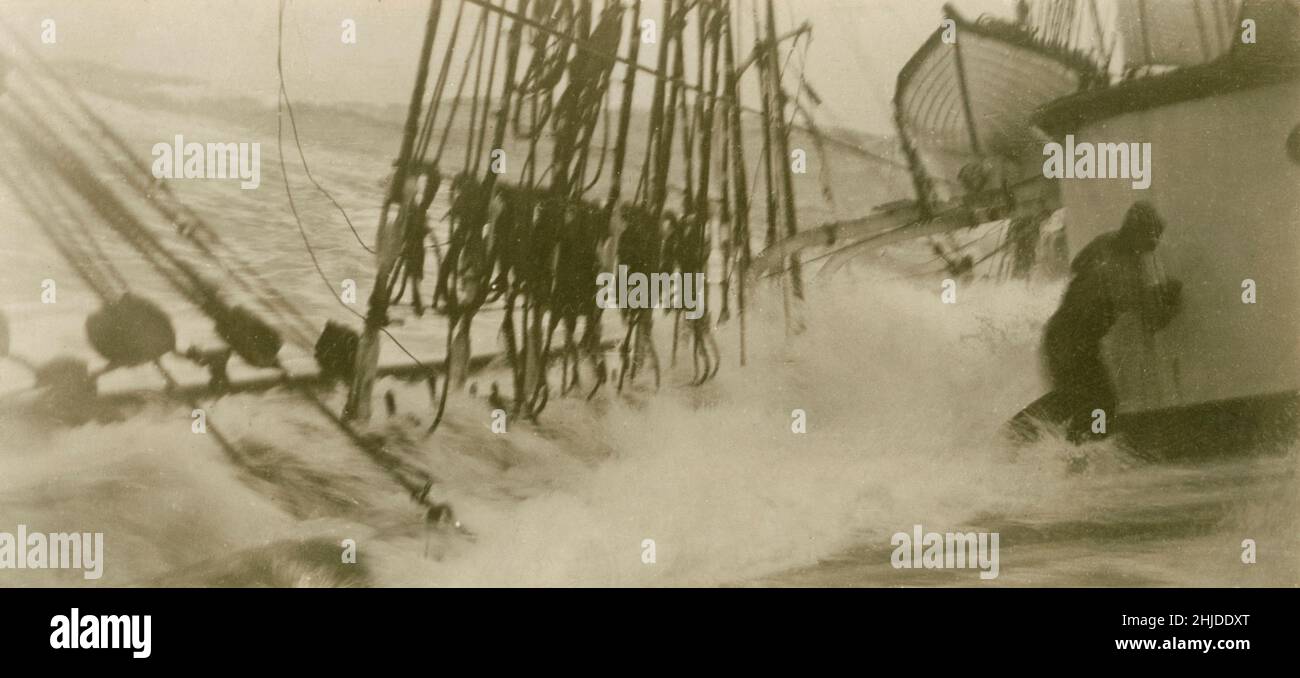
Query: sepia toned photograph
pixel 648 294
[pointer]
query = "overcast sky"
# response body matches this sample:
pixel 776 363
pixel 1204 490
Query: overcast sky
pixel 856 51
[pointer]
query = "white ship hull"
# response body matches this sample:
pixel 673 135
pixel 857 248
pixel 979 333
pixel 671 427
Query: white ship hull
pixel 1230 196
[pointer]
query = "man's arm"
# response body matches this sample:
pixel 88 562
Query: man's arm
pixel 1169 302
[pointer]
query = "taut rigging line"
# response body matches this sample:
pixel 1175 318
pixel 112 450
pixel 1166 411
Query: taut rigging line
pixel 586 46
pixel 180 275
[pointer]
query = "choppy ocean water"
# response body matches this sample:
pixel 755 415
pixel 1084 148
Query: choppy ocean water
pixel 904 397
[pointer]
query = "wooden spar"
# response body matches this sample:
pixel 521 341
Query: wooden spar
pixel 911 220
pixel 739 183
pixel 709 111
pixel 769 180
pixel 783 142
pixel 507 89
pixel 389 240
pixel 487 93
pixel 625 113
pixel 459 345
pixel 764 88
pixel 306 382
pixel 657 105
pixel 673 32
pixel 725 233
pixel 477 46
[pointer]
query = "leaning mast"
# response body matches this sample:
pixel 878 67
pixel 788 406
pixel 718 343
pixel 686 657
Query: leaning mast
pixel 389 239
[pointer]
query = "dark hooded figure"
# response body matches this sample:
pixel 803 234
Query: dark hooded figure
pixel 1114 273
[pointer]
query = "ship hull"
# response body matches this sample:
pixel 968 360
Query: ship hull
pixel 1242 426
pixel 1226 188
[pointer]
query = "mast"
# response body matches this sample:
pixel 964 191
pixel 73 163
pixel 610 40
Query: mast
pixel 657 155
pixel 739 183
pixel 458 358
pixel 783 142
pixel 389 240
pixel 625 112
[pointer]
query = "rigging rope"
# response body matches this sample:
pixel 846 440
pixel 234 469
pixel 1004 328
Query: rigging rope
pixel 61 243
pixel 193 228
pixel 398 468
pixel 293 125
pixel 311 252
pixel 292 319
pixel 657 74
pixel 180 275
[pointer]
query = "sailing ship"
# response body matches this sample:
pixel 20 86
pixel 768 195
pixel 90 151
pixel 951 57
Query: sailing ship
pixel 1209 85
pixel 528 239
pixel 972 115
